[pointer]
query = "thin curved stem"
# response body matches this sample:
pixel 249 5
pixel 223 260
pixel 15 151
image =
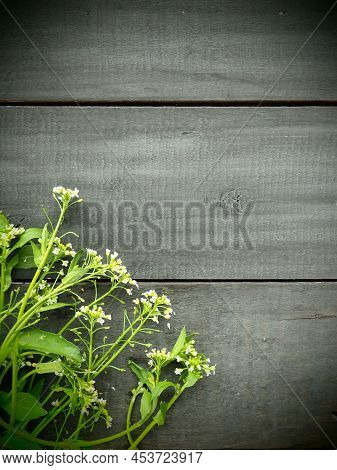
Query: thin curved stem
pixel 129 413
pixel 154 422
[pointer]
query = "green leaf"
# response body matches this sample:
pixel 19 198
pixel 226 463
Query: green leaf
pixel 48 343
pixel 145 404
pixel 143 375
pixel 75 260
pixel 160 387
pixel 26 237
pixel 13 442
pixel 37 389
pixel 27 406
pixel 8 275
pixel 54 306
pixel 48 367
pixel 160 416
pixel 26 258
pixel 179 344
pixel 191 379
pixel 37 254
pixel 74 275
pixel 3 220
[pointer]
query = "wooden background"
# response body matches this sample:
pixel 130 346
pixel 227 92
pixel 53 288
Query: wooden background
pixel 184 101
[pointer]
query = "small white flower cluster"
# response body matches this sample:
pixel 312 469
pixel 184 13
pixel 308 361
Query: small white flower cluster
pixel 157 357
pixel 64 194
pixel 41 290
pixel 8 234
pixel 112 267
pixel 160 303
pixel 193 361
pixel 95 314
pixel 60 250
pixel 89 400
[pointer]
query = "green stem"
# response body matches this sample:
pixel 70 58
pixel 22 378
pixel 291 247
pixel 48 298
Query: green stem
pixel 29 437
pixel 129 413
pixel 2 282
pixel 154 422
pixel 14 386
pixel 42 263
pixel 51 415
pixel 67 444
pixel 4 371
pixel 104 440
pixel 143 320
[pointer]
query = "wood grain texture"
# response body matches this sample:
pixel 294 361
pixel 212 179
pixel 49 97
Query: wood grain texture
pixel 172 50
pixel 282 162
pixel 275 349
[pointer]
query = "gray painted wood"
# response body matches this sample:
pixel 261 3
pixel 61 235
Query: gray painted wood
pixel 281 161
pixel 275 349
pixel 172 50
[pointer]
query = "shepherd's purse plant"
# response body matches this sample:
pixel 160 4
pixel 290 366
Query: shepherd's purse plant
pixel 48 379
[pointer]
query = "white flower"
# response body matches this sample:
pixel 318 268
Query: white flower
pixel 178 371
pixel 169 326
pixel 65 193
pixel 65 263
pixel 56 251
pixel 101 401
pixel 55 403
pixel 132 282
pixel 107 252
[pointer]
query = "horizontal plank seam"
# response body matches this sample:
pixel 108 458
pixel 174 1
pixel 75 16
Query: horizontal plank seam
pixel 171 103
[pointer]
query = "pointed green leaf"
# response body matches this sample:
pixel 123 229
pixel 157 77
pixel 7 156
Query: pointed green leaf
pixel 179 344
pixel 44 238
pixel 48 343
pixel 143 375
pixel 74 275
pixel 191 379
pixel 160 387
pixel 160 416
pixel 26 237
pixel 3 220
pixel 8 275
pixel 37 254
pixel 48 367
pixel 54 306
pixel 75 260
pixel 27 406
pixel 26 258
pixel 145 404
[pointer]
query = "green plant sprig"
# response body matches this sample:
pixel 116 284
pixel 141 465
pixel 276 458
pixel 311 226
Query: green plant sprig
pixel 29 354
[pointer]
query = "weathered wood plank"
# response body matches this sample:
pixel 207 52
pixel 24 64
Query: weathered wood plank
pixel 275 349
pixel 132 165
pixel 154 50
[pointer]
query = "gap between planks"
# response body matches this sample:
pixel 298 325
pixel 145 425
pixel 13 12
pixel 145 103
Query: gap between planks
pixel 173 103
